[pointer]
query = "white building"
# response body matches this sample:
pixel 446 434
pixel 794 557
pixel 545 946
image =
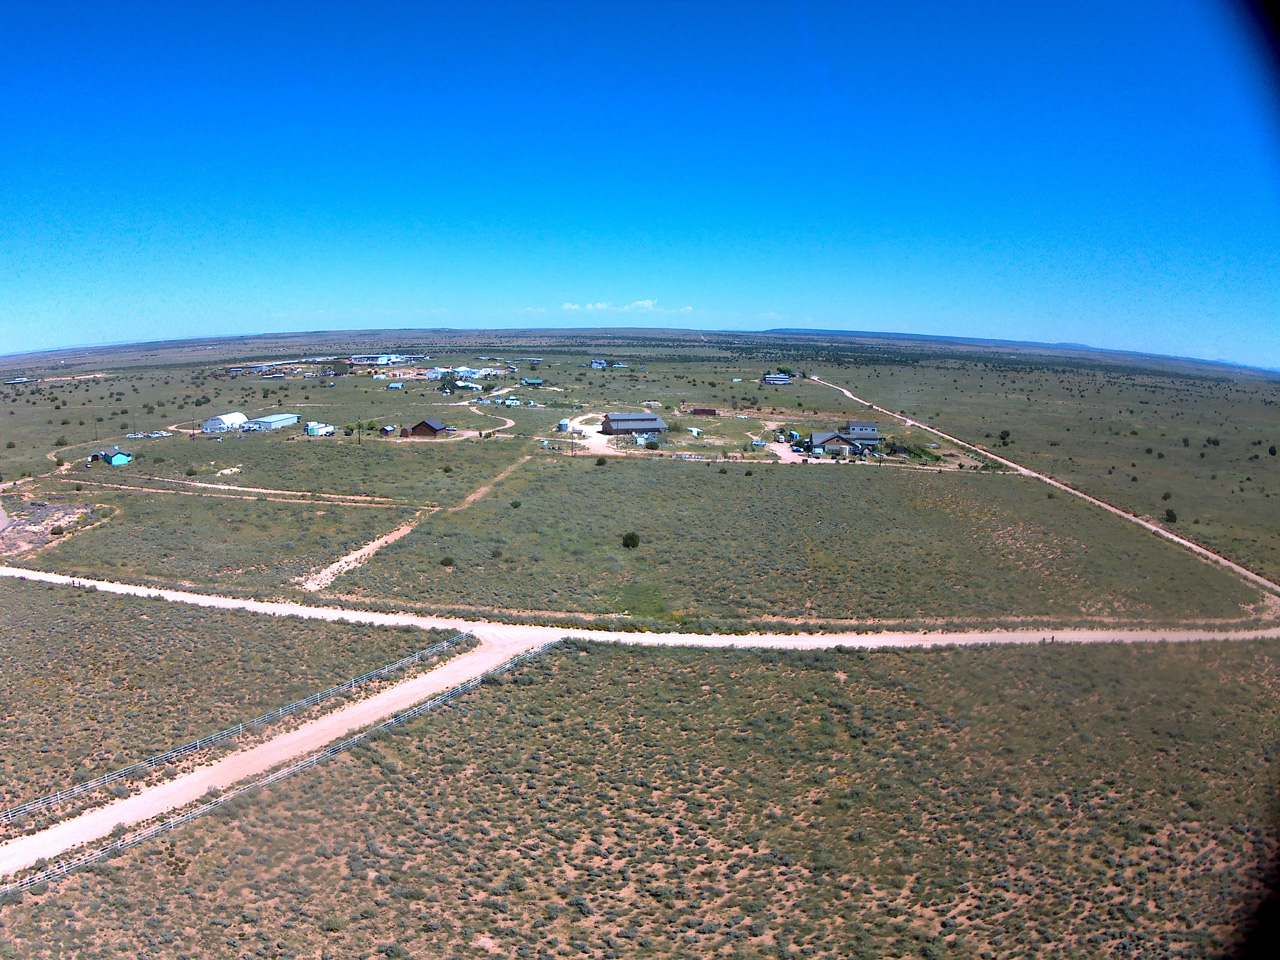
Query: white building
pixel 317 429
pixel 272 421
pixel 224 422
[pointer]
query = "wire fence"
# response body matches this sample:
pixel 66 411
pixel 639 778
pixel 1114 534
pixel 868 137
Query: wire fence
pixel 144 766
pixel 132 839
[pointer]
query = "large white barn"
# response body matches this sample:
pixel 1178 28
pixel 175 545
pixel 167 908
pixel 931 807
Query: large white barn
pixel 224 422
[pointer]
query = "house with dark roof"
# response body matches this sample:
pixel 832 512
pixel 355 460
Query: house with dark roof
pixel 430 427
pixel 616 424
pixel 855 439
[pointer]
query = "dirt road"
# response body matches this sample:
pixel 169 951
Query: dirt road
pixel 322 578
pixel 498 643
pixel 484 490
pixel 1203 552
pixel 538 634
pixel 310 737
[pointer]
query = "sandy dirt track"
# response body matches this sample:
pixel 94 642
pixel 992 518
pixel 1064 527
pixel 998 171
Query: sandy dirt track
pixel 499 642
pixel 484 490
pixel 322 578
pixel 1203 552
pixel 310 737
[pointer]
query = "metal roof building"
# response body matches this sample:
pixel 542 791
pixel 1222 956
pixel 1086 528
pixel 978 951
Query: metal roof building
pixel 618 423
pixel 272 421
pixel 224 422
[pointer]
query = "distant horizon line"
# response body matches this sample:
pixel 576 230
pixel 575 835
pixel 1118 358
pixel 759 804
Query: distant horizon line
pixel 32 355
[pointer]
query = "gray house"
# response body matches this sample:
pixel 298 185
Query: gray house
pixel 855 439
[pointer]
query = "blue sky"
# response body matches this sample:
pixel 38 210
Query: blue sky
pixel 1098 173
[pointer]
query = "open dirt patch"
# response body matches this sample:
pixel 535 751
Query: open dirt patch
pixel 29 525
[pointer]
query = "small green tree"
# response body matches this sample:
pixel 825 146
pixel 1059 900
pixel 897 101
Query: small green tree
pixel 631 540
pixel 1170 515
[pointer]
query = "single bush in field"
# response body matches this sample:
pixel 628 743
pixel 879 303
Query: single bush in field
pixel 631 540
pixel 446 561
pixel 601 461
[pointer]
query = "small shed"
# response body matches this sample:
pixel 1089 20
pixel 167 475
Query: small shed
pixel 114 457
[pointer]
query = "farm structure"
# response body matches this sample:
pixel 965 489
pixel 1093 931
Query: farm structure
pixel 620 423
pixel 224 423
pixel 704 412
pixel 317 429
pixel 431 427
pixel 272 421
pixel 776 379
pixel 114 457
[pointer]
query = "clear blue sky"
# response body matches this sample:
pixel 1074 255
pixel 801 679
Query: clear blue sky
pixel 1105 173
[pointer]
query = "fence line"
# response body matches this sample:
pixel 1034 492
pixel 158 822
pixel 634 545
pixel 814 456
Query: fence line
pixel 141 766
pixel 128 840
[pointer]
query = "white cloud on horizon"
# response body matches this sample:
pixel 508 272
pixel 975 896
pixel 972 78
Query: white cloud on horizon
pixel 635 305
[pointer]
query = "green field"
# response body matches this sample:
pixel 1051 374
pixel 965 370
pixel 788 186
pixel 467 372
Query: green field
pixel 718 551
pixel 811 542
pixel 1127 435
pixel 90 682
pixel 1102 800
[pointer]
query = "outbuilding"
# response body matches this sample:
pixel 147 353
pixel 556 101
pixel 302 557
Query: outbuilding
pixel 621 423
pixel 114 457
pixel 273 421
pixel 431 427
pixel 224 422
